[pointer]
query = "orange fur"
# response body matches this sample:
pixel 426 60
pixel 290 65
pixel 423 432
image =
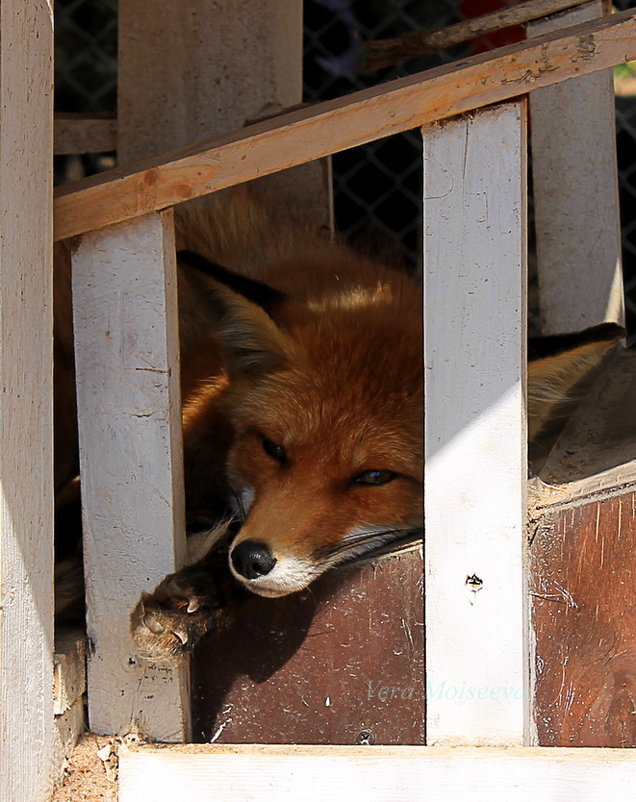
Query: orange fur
pixel 334 376
pixel 331 377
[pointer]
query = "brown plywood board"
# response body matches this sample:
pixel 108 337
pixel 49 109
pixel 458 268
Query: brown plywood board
pixel 582 588
pixel 340 663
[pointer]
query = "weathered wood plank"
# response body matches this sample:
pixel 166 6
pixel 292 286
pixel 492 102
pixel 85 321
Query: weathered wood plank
pixel 69 674
pixel 583 565
pixel 341 663
pixel 26 433
pixel 576 194
pixel 302 136
pixel 593 457
pixel 125 319
pixel 401 774
pixel 82 133
pixel 247 68
pixel 583 572
pixel 475 430
pixel 248 59
pixel 384 52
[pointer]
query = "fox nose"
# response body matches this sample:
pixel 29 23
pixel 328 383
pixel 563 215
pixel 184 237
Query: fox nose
pixel 251 559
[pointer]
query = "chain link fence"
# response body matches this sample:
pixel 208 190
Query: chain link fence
pixel 378 186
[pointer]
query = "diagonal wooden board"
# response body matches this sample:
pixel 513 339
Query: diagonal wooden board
pixel 306 135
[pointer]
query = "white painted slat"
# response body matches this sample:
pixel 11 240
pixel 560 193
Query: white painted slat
pixel 26 430
pixel 576 193
pixel 248 61
pixel 375 774
pixel 475 435
pixel 124 298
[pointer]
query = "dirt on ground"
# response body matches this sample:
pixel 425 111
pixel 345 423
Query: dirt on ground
pixel 90 774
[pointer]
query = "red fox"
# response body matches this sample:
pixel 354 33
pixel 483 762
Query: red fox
pixel 302 411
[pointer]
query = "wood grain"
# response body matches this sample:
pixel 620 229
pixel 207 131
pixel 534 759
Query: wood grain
pixel 248 68
pixel 384 52
pixel 303 136
pixel 584 618
pixel 184 76
pixel 26 431
pixel 341 663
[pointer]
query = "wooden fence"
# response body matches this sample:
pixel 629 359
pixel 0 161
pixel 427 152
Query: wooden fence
pixel 473 117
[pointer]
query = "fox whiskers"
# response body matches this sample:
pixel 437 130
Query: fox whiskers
pixel 361 543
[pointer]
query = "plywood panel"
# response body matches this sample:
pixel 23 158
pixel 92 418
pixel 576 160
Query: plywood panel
pixel 583 579
pixel 341 663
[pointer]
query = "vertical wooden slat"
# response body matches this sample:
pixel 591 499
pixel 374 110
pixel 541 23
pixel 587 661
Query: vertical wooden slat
pixel 124 296
pixel 576 193
pixel 194 69
pixel 475 434
pixel 248 57
pixel 26 442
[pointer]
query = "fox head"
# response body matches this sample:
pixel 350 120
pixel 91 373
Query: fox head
pixel 325 407
pixel 320 414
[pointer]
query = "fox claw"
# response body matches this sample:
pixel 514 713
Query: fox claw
pixel 170 621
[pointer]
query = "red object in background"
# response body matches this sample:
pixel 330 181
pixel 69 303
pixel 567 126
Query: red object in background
pixel 475 8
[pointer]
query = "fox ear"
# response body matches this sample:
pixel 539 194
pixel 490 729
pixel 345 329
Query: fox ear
pixel 251 341
pixel 553 380
pixel 256 291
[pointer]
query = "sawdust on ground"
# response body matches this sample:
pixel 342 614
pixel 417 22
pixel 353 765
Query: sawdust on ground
pixel 91 772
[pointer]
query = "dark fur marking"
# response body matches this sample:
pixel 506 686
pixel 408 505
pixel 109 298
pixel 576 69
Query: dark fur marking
pixel 256 291
pixel 551 345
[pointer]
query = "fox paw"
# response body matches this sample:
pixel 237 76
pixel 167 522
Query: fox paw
pixel 183 608
pixel 169 622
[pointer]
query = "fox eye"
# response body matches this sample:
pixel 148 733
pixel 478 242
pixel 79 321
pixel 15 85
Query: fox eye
pixel 273 450
pixel 374 478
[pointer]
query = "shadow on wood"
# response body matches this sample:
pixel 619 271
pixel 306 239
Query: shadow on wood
pixel 339 663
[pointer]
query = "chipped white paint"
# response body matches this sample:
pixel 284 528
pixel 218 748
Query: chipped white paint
pixel 125 319
pixel 475 435
pixel 576 193
pixel 26 431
